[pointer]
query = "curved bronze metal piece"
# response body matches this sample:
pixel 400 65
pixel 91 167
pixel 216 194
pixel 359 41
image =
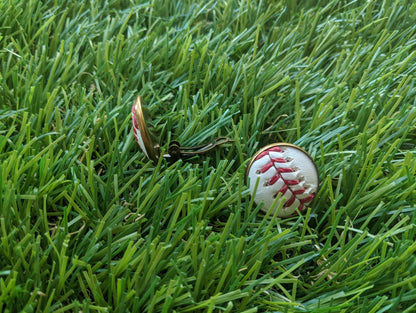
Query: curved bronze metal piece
pixel 142 133
pixel 176 151
pixel 149 142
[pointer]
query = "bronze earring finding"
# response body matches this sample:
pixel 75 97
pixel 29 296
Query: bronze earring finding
pixel 149 144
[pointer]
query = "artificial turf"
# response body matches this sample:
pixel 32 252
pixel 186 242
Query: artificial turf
pixel 89 224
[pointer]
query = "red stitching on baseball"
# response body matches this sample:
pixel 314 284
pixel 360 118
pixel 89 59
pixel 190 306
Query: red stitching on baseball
pixel 299 191
pixel 278 160
pixel 274 179
pixel 307 199
pixel 291 182
pixel 283 190
pixel 284 170
pixel 291 200
pixel 266 167
pixel 274 149
pixel 288 183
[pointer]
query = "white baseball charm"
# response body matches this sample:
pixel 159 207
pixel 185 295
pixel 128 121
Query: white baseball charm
pixel 283 169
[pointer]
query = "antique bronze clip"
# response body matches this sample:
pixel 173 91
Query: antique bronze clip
pixel 149 142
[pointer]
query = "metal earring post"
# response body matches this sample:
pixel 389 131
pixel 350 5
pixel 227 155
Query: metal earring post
pixel 175 151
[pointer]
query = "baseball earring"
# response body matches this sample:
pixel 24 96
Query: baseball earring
pixel 149 143
pixel 285 173
pixel 281 175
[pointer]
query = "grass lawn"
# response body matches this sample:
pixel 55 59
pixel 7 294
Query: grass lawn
pixel 89 224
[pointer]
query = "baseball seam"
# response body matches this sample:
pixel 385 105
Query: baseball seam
pixel 288 184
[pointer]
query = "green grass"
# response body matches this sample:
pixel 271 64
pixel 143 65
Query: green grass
pixel 88 224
